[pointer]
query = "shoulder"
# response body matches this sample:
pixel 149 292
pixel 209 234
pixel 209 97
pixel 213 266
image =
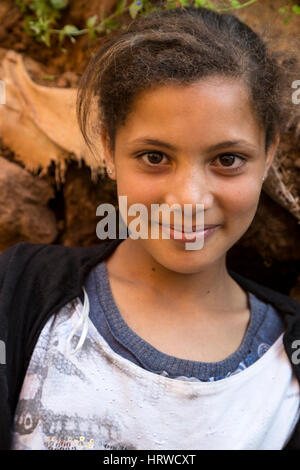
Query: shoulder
pixel 287 307
pixel 36 280
pixel 38 259
pixel 280 301
pixel 36 276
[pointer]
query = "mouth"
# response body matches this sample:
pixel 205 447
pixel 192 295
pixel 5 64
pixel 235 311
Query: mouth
pixel 194 227
pixel 189 236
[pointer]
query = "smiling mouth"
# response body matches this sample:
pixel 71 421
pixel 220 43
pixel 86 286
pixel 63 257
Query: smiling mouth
pixel 180 229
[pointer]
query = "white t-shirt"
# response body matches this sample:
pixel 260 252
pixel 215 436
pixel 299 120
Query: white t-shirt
pixel 97 399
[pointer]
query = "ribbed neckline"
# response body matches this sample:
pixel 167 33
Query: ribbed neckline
pixel 158 361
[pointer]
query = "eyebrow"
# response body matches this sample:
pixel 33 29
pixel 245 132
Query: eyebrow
pixel 218 146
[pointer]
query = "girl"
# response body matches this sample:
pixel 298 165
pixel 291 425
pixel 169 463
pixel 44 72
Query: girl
pixel 166 348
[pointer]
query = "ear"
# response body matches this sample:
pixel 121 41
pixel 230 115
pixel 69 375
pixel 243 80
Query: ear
pixel 272 150
pixel 108 154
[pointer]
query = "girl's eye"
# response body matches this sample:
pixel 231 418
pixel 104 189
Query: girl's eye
pixel 154 158
pixel 228 159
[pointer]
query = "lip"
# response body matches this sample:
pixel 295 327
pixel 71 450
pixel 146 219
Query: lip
pixel 183 237
pixel 179 229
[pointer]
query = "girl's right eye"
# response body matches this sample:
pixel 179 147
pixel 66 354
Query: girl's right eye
pixel 154 158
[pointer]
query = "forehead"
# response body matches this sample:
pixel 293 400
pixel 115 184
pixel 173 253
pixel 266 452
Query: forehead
pixel 210 109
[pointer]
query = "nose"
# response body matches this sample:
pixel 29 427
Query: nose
pixel 190 185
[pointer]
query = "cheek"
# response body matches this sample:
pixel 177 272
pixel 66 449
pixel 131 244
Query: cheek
pixel 240 198
pixel 138 190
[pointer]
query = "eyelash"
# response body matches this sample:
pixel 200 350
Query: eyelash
pixel 231 170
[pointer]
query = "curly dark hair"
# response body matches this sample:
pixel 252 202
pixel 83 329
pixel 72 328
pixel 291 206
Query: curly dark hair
pixel 180 46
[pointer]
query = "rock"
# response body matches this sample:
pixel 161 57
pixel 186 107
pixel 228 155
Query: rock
pixel 38 123
pixel 24 215
pixel 81 199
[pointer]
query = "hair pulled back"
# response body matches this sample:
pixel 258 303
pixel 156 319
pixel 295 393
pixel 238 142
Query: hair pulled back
pixel 180 46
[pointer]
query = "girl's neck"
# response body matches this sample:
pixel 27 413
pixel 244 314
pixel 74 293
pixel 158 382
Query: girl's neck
pixel 212 289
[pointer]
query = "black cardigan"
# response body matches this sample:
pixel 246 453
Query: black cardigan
pixel 36 280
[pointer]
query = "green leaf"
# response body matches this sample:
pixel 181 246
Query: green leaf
pixel 36 27
pixel 134 9
pixel 111 23
pixel 200 3
pixel 59 4
pixel 92 34
pixel 21 5
pixel 184 3
pixel 282 10
pixel 235 3
pixel 210 6
pixel 296 9
pixel 120 6
pixel 46 39
pixel 70 29
pixel 100 27
pixel 91 21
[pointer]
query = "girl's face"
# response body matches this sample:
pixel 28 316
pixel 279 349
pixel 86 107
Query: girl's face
pixel 210 150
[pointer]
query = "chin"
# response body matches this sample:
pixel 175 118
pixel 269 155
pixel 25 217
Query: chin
pixel 177 259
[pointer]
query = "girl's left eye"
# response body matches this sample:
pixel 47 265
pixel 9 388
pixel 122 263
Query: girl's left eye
pixel 228 158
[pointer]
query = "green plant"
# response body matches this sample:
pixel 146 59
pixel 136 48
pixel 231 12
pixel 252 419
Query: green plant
pixel 289 10
pixel 43 14
pixel 46 13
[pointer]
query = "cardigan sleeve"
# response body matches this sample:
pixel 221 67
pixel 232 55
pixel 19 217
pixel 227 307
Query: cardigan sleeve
pixel 7 282
pixel 5 257
pixel 13 319
pixel 36 279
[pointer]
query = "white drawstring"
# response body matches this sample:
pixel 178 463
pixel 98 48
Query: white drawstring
pixel 83 320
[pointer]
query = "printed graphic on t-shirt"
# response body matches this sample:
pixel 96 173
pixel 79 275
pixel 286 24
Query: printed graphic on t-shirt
pixel 39 426
pixel 97 400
